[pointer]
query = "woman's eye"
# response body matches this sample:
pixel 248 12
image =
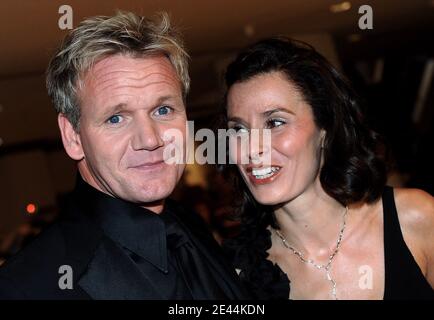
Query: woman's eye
pixel 115 119
pixel 163 110
pixel 273 123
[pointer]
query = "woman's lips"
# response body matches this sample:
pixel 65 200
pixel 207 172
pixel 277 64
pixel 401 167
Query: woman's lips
pixel 263 175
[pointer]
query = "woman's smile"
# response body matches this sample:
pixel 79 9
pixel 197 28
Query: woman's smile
pixel 262 175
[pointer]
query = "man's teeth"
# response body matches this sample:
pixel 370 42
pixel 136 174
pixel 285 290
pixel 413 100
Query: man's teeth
pixel 264 173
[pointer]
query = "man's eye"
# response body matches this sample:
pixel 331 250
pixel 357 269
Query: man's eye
pixel 273 123
pixel 163 110
pixel 115 119
pixel 240 129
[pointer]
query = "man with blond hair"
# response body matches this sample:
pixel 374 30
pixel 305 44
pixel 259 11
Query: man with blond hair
pixel 118 84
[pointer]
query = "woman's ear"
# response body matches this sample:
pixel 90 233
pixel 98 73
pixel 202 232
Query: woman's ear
pixel 70 138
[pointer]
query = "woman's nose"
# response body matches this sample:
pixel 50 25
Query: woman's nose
pixel 259 146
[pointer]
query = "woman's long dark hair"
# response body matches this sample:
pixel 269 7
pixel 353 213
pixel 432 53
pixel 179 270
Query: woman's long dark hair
pixel 353 169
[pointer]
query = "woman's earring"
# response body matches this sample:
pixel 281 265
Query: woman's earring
pixel 323 135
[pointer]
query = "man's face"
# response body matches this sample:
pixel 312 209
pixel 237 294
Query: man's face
pixel 126 106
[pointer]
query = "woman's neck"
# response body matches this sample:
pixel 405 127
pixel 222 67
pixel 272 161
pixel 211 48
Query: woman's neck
pixel 311 222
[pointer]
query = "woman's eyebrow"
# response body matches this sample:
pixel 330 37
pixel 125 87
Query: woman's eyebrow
pixel 270 112
pixel 263 114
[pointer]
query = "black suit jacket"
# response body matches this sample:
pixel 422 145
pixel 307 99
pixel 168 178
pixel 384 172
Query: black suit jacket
pixel 101 268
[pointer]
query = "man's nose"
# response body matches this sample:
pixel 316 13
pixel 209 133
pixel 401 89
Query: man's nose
pixel 146 135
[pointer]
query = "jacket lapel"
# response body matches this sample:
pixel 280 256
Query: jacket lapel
pixel 111 274
pixel 101 268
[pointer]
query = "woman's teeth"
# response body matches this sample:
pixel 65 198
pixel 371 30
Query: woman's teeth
pixel 264 173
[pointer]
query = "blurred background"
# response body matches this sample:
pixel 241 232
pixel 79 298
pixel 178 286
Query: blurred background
pixel 391 66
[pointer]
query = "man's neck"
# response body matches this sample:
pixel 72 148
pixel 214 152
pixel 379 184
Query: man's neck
pixel 156 207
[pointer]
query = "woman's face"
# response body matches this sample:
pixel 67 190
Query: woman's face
pixel 271 101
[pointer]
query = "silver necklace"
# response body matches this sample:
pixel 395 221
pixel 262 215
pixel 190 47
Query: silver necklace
pixel 326 267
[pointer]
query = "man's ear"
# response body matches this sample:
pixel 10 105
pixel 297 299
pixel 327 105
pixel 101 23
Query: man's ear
pixel 70 138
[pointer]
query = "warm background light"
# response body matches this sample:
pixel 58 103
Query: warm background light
pixel 340 7
pixel 31 208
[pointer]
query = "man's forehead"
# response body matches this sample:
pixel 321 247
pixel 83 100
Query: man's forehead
pixel 120 65
pixel 123 79
pixel 120 69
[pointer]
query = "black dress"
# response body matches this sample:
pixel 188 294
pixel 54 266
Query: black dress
pixel 265 280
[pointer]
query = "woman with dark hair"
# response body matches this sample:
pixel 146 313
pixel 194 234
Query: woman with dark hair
pixel 318 221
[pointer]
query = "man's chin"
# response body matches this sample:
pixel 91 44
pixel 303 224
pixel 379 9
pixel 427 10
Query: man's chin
pixel 152 203
pixel 151 191
pixel 152 197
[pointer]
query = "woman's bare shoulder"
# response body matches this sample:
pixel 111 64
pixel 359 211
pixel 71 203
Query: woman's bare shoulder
pixel 416 216
pixel 415 209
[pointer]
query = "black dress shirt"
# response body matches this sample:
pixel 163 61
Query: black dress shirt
pixel 119 250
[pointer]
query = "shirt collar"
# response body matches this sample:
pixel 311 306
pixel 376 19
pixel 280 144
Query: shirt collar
pixel 138 229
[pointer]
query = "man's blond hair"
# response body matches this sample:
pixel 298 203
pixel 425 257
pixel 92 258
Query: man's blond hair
pixel 101 36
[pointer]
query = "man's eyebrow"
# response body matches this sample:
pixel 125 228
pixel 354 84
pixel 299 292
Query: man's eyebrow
pixel 111 110
pixel 166 98
pixel 270 112
pixel 236 119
